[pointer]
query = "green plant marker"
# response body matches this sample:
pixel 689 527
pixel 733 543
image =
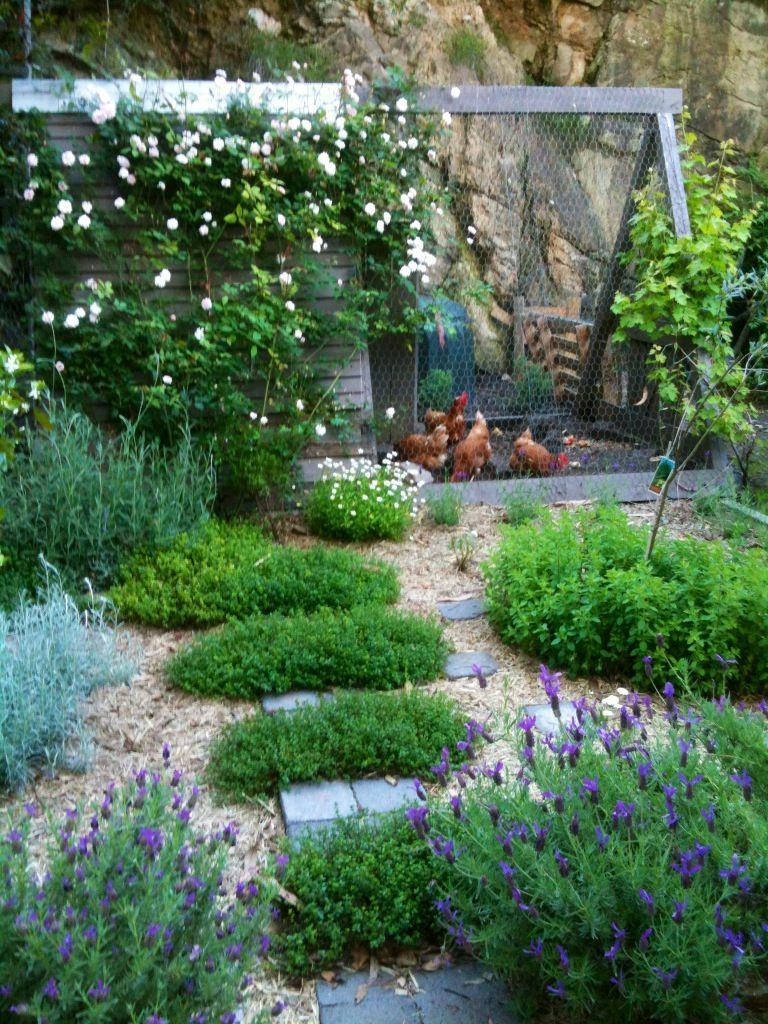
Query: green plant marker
pixel 663 472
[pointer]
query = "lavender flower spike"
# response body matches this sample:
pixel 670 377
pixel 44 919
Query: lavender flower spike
pixel 482 682
pixel 551 687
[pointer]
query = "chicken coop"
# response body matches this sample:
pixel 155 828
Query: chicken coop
pixel 540 191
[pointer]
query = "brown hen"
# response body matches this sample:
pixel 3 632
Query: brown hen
pixel 473 452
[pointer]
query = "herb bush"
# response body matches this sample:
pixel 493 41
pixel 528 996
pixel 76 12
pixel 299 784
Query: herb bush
pixel 622 875
pixel 445 509
pixel 350 736
pixel 361 882
pixel 436 390
pixel 362 501
pixel 240 209
pixel 578 591
pixel 85 499
pixel 366 647
pixel 228 571
pixel 131 921
pixel 52 657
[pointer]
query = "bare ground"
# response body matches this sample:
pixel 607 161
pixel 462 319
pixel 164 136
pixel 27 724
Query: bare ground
pixel 131 723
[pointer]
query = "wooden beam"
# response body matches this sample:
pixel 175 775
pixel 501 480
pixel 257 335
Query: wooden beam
pixel 673 174
pixel 535 99
pixel 605 320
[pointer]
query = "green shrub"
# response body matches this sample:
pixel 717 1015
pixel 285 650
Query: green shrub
pixel 445 509
pixel 578 592
pixel 533 387
pixel 467 49
pixel 521 508
pixel 51 658
pixel 358 883
pixel 228 571
pixel 436 390
pixel 275 56
pixel 346 738
pixel 368 647
pixel 132 921
pixel 361 501
pixel 620 877
pixel 85 499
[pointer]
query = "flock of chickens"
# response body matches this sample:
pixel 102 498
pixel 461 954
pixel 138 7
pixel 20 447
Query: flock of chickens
pixel 471 451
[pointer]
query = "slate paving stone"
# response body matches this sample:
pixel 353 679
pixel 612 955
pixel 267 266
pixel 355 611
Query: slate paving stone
pixel 459 666
pixel 545 717
pixel 317 801
pixel 457 611
pixel 377 796
pixel 461 994
pixel 298 829
pixel 290 701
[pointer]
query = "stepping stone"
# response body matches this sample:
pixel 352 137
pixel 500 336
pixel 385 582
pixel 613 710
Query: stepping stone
pixel 464 994
pixel 377 796
pixel 457 611
pixel 293 699
pixel 317 801
pixel 459 666
pixel 545 717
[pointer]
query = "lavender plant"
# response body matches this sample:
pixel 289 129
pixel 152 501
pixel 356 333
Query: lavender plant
pixel 131 922
pixel 622 870
pixel 52 657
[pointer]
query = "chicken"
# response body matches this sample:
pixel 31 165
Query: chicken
pixel 453 419
pixel 473 452
pixel 427 450
pixel 535 459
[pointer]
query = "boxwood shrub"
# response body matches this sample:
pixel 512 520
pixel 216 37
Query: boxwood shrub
pixel 345 738
pixel 362 882
pixel 229 571
pixel 368 647
pixel 576 592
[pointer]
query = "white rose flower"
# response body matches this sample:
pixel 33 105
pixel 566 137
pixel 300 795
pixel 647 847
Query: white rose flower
pixel 446 118
pixel 281 220
pixel 203 229
pixel 68 158
pixel 119 203
pixel 94 312
pixel 83 159
pixel 199 334
pixel 264 420
pixel 64 206
pixel 253 415
pixel 171 223
pixel 455 92
pixel 84 221
pixel 167 378
pixel 71 321
pixel 226 182
pixel 299 405
pixel 47 317
pixel 86 206
pixel 29 194
pixel 285 278
pixel 320 430
pixel 218 144
pixel 207 304
pixel 207 216
pixel 380 226
pixel 57 223
pixel 290 306
pixel 370 209
pixel 32 160
pixel 401 105
pixel 390 412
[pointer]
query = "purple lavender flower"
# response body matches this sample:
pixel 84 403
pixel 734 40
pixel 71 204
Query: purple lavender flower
pixel 708 814
pixel 535 949
pixel 551 687
pixel 665 977
pixel 725 663
pixel 527 725
pixel 65 949
pixel 441 770
pixel 493 812
pixel 648 900
pixel 644 770
pixel 685 749
pixel 455 802
pixel 166 753
pixel 645 940
pixel 557 989
pixel 563 864
pixel 689 783
pixel 99 992
pixel 51 990
pixel 540 833
pixel 156 1019
pixel 494 772
pixel 479 674
pixel 420 791
pixel 278 1008
pixel 152 840
pixel 736 869
pixel 417 816
pixel 623 812
pixel 562 953
pixel 592 788
pixel 281 863
pixel 688 866
pixel 619 935
pixel 15 840
pixel 648 664
pixel 575 824
pixel 679 911
pixel 745 781
pixel 732 1004
pixel 618 981
pixel 669 697
pixel 602 839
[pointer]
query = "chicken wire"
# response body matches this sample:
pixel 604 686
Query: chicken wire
pixel 535 219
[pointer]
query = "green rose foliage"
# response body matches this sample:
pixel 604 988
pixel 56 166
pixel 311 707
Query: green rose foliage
pixel 225 303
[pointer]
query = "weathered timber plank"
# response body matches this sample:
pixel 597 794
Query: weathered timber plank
pixel 528 99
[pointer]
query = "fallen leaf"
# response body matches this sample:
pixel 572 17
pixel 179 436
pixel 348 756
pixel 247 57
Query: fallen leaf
pixel 360 993
pixel 329 976
pixel 406 958
pixel 390 779
pixel 288 897
pixel 435 963
pixel 359 958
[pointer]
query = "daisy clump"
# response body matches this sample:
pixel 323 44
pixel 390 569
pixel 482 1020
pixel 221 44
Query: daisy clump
pixel 360 500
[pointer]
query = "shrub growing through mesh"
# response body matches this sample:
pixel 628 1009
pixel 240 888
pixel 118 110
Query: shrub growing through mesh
pixel 229 570
pixel 52 657
pixel 85 500
pixel 362 501
pixel 367 647
pixel 623 876
pixel 132 920
pixel 353 735
pixel 578 592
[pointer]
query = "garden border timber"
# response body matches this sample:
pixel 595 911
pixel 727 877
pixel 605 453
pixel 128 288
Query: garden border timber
pixel 53 96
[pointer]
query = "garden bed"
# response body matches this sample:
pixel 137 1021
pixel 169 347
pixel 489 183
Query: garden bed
pixel 131 723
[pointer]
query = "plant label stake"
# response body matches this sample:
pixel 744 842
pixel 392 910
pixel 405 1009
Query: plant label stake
pixel 663 472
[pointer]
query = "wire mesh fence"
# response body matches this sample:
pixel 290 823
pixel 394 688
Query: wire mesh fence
pixel 533 231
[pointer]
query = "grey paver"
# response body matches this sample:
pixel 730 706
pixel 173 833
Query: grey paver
pixel 293 699
pixel 297 829
pixel 457 611
pixel 378 796
pixel 317 801
pixel 546 721
pixel 458 666
pixel 464 994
